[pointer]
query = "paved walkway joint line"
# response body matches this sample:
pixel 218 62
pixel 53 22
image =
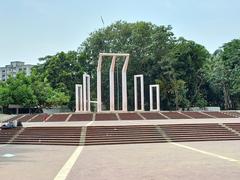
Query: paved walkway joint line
pixel 185 115
pixel 62 174
pixel 118 116
pixel 69 116
pixel 94 117
pixel 141 115
pixel 16 135
pixel 163 115
pixel 83 136
pixel 20 117
pixel 163 134
pixel 48 117
pixel 32 118
pixel 207 115
pixel 230 129
pixel 205 152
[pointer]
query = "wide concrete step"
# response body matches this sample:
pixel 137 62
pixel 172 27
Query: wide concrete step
pixel 124 142
pixel 204 139
pixel 47 137
pixel 124 116
pixel 233 114
pixel 46 140
pixel 48 143
pixel 7 134
pixel 128 134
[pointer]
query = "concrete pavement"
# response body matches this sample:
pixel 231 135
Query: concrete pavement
pixel 200 160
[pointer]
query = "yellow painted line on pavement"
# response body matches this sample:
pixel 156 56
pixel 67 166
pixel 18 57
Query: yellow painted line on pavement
pixel 205 152
pixel 88 124
pixel 63 173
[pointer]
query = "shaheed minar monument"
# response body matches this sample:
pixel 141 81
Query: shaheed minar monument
pixel 82 91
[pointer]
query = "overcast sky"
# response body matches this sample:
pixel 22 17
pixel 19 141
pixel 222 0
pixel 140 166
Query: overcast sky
pixel 30 29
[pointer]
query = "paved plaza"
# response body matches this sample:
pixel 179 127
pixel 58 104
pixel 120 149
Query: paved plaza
pixel 206 148
pixel 188 160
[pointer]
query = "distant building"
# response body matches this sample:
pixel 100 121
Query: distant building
pixel 13 69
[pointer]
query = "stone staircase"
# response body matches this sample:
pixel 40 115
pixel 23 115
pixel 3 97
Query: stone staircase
pixel 125 134
pixel 49 136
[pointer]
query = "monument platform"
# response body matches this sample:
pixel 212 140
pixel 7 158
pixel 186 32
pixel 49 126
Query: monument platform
pixel 125 116
pixel 123 128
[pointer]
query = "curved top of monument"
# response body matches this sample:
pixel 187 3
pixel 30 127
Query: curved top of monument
pixel 114 54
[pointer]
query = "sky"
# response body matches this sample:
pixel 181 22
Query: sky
pixel 30 29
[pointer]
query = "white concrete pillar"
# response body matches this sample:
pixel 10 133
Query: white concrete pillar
pixel 111 81
pixel 86 92
pixel 111 84
pixel 89 95
pixel 136 92
pixel 78 97
pixel 99 84
pixel 124 84
pixel 157 100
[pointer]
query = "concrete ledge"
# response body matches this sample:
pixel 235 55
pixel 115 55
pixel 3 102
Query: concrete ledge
pixel 4 117
pixel 132 122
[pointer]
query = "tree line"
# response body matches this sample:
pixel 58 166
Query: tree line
pixel 188 75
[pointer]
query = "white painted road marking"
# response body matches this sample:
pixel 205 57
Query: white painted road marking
pixel 8 155
pixel 205 152
pixel 88 124
pixel 63 173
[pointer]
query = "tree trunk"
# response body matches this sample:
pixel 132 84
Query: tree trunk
pixel 176 99
pixel 227 100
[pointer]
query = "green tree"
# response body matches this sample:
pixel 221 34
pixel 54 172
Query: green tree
pixel 63 71
pixel 46 95
pixel 21 91
pixel 186 61
pixel 154 51
pixel 146 43
pixel 29 91
pixel 223 72
pixel 5 95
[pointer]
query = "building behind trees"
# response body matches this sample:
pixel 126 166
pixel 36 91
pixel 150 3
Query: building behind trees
pixel 13 69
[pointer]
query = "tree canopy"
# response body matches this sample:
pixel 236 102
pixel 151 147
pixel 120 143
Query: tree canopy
pixel 188 75
pixel 28 91
pixel 155 52
pixel 63 71
pixel 223 73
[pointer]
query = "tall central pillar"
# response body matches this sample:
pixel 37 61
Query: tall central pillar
pixel 111 84
pixel 111 81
